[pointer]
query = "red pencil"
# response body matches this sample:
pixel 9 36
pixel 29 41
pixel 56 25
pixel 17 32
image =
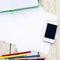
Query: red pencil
pixel 17 53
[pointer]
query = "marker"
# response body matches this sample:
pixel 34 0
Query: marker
pixel 17 53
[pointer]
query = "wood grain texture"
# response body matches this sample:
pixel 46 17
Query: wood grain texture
pixel 51 6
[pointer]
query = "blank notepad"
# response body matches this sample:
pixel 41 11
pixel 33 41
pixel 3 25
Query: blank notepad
pixel 26 29
pixel 6 5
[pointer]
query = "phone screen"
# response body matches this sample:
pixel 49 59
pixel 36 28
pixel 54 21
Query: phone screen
pixel 50 31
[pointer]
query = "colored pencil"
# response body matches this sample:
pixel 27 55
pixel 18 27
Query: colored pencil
pixel 25 56
pixel 43 57
pixel 20 56
pixel 6 57
pixel 13 56
pixel 30 59
pixel 40 57
pixel 17 53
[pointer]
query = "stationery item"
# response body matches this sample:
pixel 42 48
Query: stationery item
pixel 5 57
pixel 40 57
pixel 8 5
pixel 19 56
pixel 21 53
pixel 26 29
pixel 27 53
pixel 24 56
pixel 31 59
pixel 17 53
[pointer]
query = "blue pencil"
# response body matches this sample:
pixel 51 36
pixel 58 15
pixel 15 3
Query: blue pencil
pixel 24 56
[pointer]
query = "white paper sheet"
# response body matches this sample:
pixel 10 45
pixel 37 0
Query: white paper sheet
pixel 17 4
pixel 26 29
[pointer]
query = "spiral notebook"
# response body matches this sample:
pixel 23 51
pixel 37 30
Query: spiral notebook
pixel 7 5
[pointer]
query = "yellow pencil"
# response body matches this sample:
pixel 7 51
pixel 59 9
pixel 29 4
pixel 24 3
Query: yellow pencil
pixel 5 57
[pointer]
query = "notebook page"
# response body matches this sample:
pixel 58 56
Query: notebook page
pixel 26 29
pixel 24 3
pixel 5 5
pixel 14 4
